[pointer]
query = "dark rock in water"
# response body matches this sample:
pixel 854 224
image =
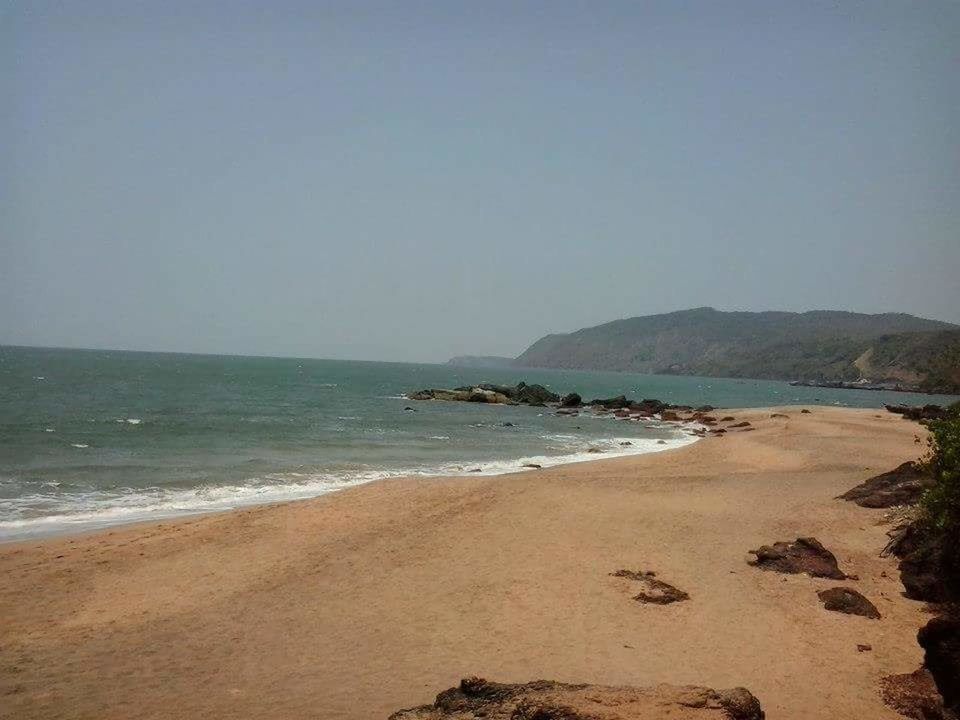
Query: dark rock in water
pixel 625 443
pixel 614 403
pixel 655 592
pixel 567 411
pixel 475 470
pixel 506 424
pixel 661 442
pixel 706 408
pixel 649 406
pixel 806 555
pixel 409 409
pixel 917 412
pixel 547 700
pixel 849 601
pixel 669 416
pixel 901 486
pixel 534 394
pixel 940 640
pixel 571 400
pixel 535 466
pixel 594 450
pixel 745 423
pixel 913 695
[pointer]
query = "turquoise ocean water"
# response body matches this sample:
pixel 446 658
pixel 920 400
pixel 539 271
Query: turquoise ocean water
pixel 90 438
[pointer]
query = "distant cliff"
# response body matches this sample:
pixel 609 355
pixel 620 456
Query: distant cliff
pixel 481 361
pixel 817 345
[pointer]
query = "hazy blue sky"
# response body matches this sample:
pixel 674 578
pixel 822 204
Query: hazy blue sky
pixel 414 180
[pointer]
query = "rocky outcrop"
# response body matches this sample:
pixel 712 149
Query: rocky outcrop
pixel 476 698
pixel 940 640
pixel 919 412
pixel 571 400
pixel 901 486
pixel 521 394
pixel 913 695
pixel 806 555
pixel 653 591
pixel 849 601
pixel 614 403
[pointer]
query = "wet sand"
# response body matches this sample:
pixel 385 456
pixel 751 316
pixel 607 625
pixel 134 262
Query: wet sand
pixel 375 598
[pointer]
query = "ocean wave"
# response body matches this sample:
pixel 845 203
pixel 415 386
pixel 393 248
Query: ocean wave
pixel 48 513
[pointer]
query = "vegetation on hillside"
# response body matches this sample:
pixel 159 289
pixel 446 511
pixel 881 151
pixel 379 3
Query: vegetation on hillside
pixel 820 345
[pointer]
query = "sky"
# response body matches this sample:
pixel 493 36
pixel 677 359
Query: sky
pixel 416 180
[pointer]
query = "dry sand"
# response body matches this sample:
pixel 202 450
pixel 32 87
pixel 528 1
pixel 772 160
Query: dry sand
pixel 375 598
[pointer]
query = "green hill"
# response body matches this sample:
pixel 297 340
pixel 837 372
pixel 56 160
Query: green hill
pixel 817 345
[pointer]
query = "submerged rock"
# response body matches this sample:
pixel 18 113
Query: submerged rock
pixel 805 555
pixel 849 601
pixel 901 486
pixel 546 700
pixel 571 400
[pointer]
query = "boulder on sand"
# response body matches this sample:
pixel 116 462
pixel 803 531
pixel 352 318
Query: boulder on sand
pixel 805 555
pixel 913 695
pixel 849 601
pixel 654 591
pixel 901 486
pixel 940 640
pixel 547 700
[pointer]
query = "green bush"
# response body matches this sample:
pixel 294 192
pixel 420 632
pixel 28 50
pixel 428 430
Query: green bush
pixel 942 502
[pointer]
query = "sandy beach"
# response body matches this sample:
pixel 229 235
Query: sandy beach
pixel 365 601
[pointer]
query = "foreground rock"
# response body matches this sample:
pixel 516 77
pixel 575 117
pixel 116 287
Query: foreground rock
pixel 655 592
pixel 901 486
pixel 546 700
pixel 806 555
pixel 913 695
pixel 849 601
pixel 940 640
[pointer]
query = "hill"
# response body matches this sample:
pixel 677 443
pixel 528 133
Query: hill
pixel 818 345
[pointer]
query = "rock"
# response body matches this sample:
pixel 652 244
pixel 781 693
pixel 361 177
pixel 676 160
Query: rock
pixel 475 470
pixel 741 424
pixel 779 415
pixel 535 466
pixel 615 403
pixel 728 418
pixel 913 695
pixel 661 442
pixel 408 409
pixel 669 416
pixel 571 400
pixel 849 601
pixel 533 394
pixel 706 408
pixel 718 431
pixel 940 640
pixel 506 424
pixel 654 591
pixel 804 412
pixel 649 406
pixel 806 555
pixel 625 443
pixel 547 700
pixel 594 451
pixel 864 648
pixel 566 411
pixel 918 413
pixel 901 486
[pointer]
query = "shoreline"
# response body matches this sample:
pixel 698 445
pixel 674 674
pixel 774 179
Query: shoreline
pixel 64 526
pixel 360 602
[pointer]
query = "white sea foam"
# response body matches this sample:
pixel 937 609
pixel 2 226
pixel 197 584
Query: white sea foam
pixel 100 508
pixel 79 445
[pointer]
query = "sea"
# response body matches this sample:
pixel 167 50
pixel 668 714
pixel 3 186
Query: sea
pixel 91 438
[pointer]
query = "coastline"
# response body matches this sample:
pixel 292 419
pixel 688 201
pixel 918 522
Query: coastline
pixel 359 602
